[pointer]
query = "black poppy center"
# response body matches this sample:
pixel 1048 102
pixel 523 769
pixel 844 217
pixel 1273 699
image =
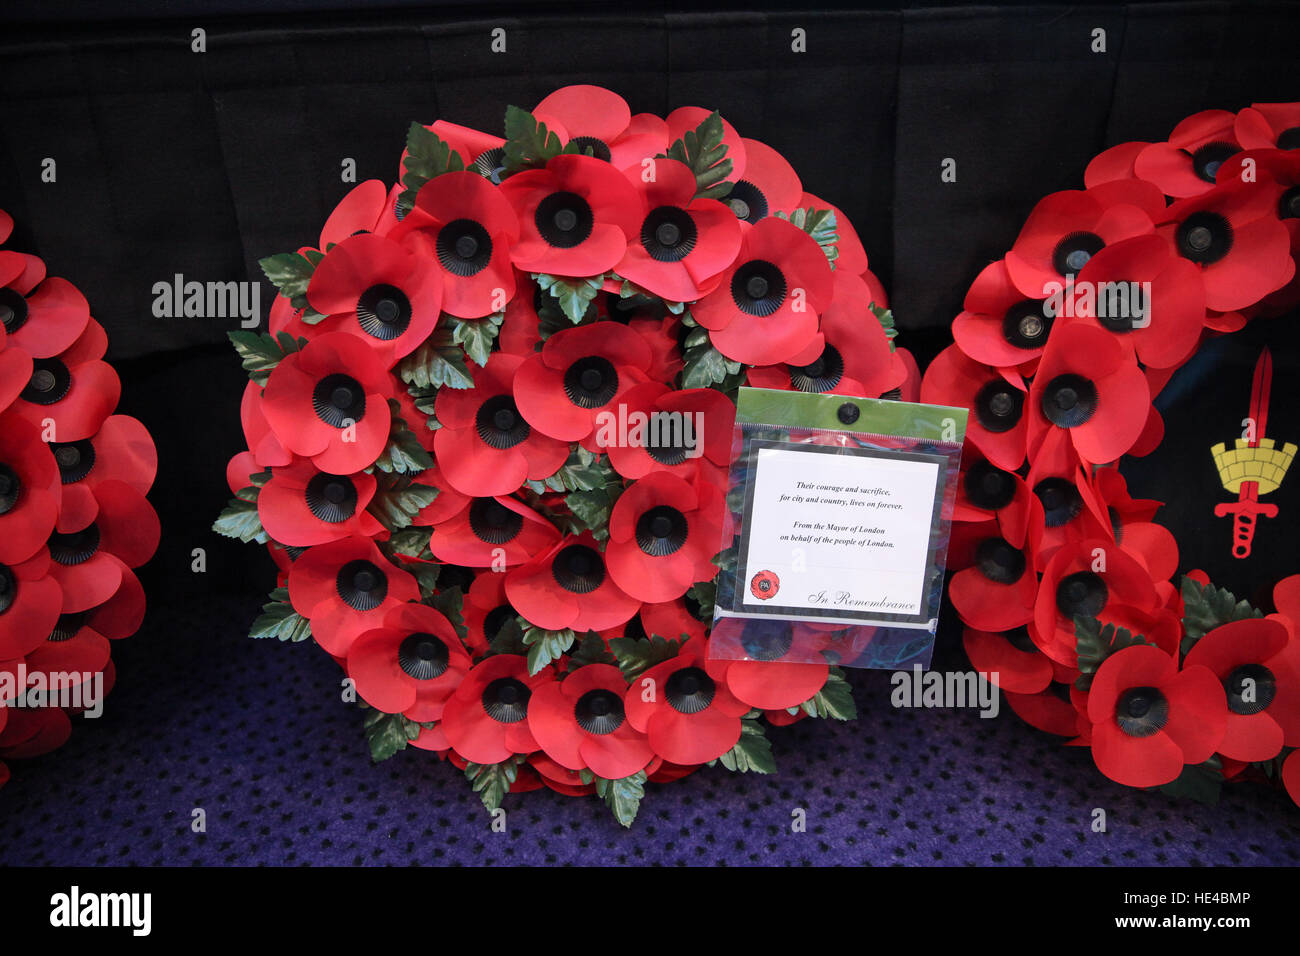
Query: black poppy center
pixel 989 487
pixel 1250 688
pixel 76 547
pixel 767 642
pixel 1061 501
pixel 423 656
pixel 1069 400
pixel 50 381
pixel 1019 639
pixel 564 220
pixel 1025 325
pixel 8 588
pixel 75 459
pixel 598 147
pixel 998 406
pixel 339 400
pixel 1288 206
pixel 591 381
pixel 999 561
pixel 669 447
pixel 331 498
pixel 689 690
pixel 758 288
pixel 624 308
pixel 496 618
pixel 1073 252
pixel 383 312
pixel 1081 594
pixel 747 201
pixel 499 423
pixel 1141 711
pixel 1207 159
pixel 361 585
pixel 67 626
pixel 505 700
pixel 820 375
pixel 1289 138
pixel 578 569
pixel 668 234
pixel 13 309
pixel 464 247
pixel 493 522
pixel 1204 237
pixel 661 531
pixel 599 711
pixel 11 489
pixel 490 163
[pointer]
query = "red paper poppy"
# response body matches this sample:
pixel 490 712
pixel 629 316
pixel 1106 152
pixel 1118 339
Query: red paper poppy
pixel 855 358
pixel 486 609
pixel 30 490
pixel 375 289
pixel 852 255
pixel 580 723
pixel 1113 164
pixel 329 403
pixel 345 588
pixel 999 421
pixel 448 502
pixel 684 244
pixel 301 505
pixel 1149 718
pixel 570 586
pixel 569 390
pixel 122 614
pixel 772 664
pixel 1268 126
pixel 767 185
pixel 576 216
pixel 464 224
pixel 663 534
pixel 1089 578
pixel 999 325
pixel 687 433
pixel 264 448
pixel 32 731
pixel 485 446
pixel 74 390
pixel 1258 664
pixel 486 718
pixel 1048 710
pixel 663 337
pixel 368 207
pixel 686 715
pixel 1088 389
pixel 15 372
pixel 31 600
pixel 1009 660
pixel 410 665
pixel 1234 236
pixel 46 320
pixel 987 492
pixel 765 310
pixel 1187 164
pixel 519 333
pixel 480 151
pixel 998 592
pixel 599 120
pixel 492 532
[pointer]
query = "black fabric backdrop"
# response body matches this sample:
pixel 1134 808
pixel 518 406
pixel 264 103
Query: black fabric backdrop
pixel 170 161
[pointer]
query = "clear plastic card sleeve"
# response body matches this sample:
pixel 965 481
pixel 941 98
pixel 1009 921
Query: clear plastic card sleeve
pixel 840 511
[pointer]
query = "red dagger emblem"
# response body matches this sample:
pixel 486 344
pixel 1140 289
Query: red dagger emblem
pixel 1247 506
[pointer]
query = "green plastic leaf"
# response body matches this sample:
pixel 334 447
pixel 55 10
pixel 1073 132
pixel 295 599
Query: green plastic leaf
pixel 425 399
pixel 704 152
pixel 403 454
pixel 753 751
pixel 411 542
pixel 397 500
pixel 388 733
pixel 279 620
pixel 703 366
pixel 427 157
pixel 822 225
pixel 591 649
pixel 1205 608
pixel 290 272
pixel 545 646
pixel 584 471
pixel 574 296
pixel 492 781
pixel 1202 782
pixel 451 603
pixel 704 594
pixel 1094 643
pixel 477 336
pixel 438 362
pixel 886 319
pixel 509 639
pixel 260 352
pixel 636 655
pixel 529 144
pixel 240 520
pixel 835 699
pixel 591 509
pixel 623 796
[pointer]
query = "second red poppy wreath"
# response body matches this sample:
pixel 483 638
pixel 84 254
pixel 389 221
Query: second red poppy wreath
pixel 438 448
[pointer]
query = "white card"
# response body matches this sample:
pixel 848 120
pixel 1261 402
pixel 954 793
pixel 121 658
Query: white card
pixel 839 534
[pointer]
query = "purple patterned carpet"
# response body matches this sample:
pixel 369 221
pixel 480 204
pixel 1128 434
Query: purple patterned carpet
pixel 250 731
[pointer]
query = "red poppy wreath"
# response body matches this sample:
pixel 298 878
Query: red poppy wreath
pixel 1062 579
pixel 74 520
pixel 443 452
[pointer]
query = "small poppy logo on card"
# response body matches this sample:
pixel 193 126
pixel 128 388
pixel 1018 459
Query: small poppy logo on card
pixel 764 585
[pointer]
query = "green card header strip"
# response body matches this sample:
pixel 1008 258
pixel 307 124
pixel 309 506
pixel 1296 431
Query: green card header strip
pixel 770 406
